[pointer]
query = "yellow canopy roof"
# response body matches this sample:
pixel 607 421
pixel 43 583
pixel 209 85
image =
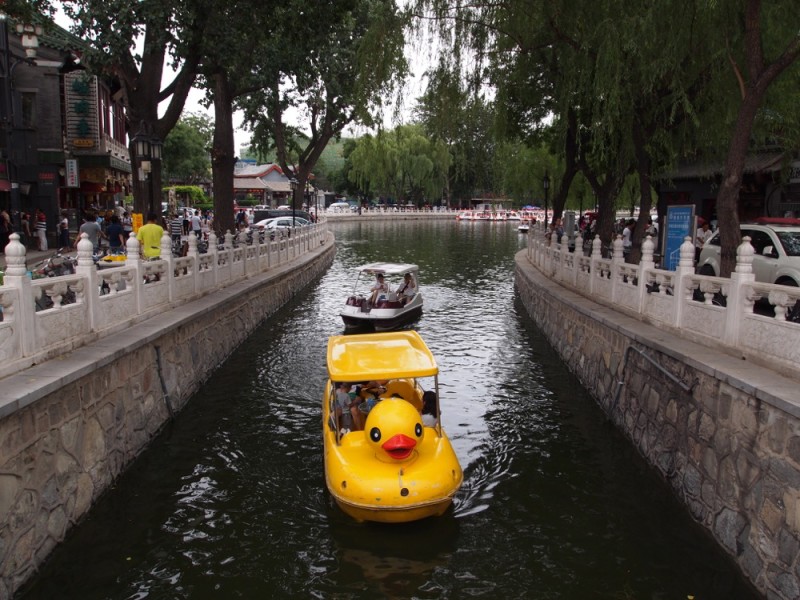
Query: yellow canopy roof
pixel 379 356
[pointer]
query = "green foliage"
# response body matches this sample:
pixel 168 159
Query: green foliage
pixel 190 195
pixel 186 150
pixel 403 164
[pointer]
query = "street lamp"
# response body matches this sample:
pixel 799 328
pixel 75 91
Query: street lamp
pixel 156 147
pixel 142 148
pixel 546 186
pixel 293 186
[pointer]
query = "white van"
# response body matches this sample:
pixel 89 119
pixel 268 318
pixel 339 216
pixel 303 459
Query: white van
pixel 339 207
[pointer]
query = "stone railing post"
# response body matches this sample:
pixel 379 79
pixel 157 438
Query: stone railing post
pixel 617 253
pixel 132 248
pixel 617 259
pixel 16 276
pixel 738 303
pixel 213 250
pixel 228 240
pixel 647 263
pixel 166 256
pixel 594 269
pixel 192 253
pixel 91 286
pixel 684 270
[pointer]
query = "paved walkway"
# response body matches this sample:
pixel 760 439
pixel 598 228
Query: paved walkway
pixel 32 257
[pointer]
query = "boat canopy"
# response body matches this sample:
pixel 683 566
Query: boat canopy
pixel 388 268
pixel 379 356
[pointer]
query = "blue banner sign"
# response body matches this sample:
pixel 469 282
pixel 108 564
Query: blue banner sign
pixel 680 221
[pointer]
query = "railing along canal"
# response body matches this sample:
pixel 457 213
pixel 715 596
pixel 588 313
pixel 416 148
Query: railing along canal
pixel 681 300
pixel 110 300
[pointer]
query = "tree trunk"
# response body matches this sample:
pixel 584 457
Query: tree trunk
pixel 728 197
pixel 223 155
pixel 643 167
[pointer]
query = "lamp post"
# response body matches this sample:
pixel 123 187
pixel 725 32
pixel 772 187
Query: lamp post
pixel 147 149
pixel 546 186
pixel 156 147
pixel 142 149
pixel 293 186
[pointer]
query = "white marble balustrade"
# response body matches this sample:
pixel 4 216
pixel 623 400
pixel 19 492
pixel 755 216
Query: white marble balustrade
pixel 112 299
pixel 710 310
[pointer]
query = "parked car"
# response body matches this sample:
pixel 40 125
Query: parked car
pixel 777 251
pixel 261 215
pixel 281 223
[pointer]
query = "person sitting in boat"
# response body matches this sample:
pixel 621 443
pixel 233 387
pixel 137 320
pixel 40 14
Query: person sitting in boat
pixel 379 290
pixel 430 413
pixel 407 289
pixel 346 408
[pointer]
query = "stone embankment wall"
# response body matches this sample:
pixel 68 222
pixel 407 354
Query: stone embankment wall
pixel 724 433
pixel 83 418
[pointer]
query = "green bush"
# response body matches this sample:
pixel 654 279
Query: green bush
pixel 190 195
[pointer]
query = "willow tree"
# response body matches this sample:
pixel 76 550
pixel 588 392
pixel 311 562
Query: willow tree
pixel 402 163
pixel 464 123
pixel 334 68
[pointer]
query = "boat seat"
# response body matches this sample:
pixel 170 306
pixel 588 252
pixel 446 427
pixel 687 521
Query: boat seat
pixel 389 304
pixel 355 301
pixel 405 390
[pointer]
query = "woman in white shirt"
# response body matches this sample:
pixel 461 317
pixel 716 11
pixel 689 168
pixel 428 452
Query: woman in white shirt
pixel 407 289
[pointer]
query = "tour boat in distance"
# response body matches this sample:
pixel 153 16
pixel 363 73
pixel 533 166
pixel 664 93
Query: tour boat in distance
pixel 396 464
pixel 388 309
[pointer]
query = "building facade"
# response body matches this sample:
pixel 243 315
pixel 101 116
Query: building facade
pixel 63 139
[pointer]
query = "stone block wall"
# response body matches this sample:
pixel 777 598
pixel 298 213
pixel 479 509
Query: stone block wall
pixel 63 448
pixel 724 434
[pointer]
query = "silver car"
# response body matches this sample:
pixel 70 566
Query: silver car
pixel 777 251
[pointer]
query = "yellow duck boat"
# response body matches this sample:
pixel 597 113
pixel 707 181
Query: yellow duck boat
pixel 397 469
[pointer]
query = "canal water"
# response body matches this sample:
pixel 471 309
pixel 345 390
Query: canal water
pixel 230 501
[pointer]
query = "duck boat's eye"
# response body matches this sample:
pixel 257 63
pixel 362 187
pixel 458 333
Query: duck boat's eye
pixel 418 429
pixel 375 434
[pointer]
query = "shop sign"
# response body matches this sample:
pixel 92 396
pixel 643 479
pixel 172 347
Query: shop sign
pixel 83 143
pixel 71 173
pixel 47 179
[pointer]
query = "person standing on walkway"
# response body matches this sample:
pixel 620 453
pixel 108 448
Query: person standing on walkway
pixel 149 237
pixel 115 235
pixel 5 230
pixel 41 229
pixel 197 225
pixel 176 228
pixel 701 236
pixel 127 225
pixel 92 229
pixel 27 235
pixel 63 231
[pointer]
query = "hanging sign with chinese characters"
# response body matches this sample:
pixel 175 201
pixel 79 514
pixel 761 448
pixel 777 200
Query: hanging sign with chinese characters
pixel 71 173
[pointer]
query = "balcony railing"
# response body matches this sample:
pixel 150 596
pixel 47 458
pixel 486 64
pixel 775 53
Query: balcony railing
pixel 93 303
pixel 746 318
